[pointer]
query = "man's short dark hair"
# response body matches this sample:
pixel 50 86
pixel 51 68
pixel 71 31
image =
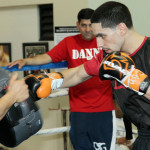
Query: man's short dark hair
pixel 111 13
pixel 85 13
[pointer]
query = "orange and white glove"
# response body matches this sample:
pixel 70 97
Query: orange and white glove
pixel 120 66
pixel 137 81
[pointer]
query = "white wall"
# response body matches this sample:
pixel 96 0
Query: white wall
pixel 65 11
pixel 140 11
pixel 18 25
pixel 10 3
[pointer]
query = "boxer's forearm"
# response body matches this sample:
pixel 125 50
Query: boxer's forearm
pixel 74 76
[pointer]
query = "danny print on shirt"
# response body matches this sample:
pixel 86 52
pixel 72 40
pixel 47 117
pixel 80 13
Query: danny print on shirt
pixel 85 53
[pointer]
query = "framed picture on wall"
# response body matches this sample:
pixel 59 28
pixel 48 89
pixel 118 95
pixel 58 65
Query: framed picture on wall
pixel 5 53
pixel 31 50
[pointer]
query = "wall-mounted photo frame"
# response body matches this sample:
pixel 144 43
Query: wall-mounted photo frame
pixel 33 49
pixel 5 53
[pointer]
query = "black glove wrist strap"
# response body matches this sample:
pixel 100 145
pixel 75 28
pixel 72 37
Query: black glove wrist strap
pixel 144 85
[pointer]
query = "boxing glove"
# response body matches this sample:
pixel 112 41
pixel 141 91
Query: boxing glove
pixel 121 67
pixel 41 85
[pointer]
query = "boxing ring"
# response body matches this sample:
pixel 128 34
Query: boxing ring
pixel 57 93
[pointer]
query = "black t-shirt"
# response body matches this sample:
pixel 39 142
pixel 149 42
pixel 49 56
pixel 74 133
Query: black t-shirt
pixel 135 107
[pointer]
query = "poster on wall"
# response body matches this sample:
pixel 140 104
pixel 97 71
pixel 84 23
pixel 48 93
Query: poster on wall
pixel 63 31
pixel 5 54
pixel 33 49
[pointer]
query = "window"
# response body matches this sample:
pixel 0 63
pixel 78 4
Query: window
pixel 46 22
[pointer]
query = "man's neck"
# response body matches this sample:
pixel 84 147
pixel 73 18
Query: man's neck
pixel 132 41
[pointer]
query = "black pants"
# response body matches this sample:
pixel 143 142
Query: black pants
pixel 143 140
pixel 92 131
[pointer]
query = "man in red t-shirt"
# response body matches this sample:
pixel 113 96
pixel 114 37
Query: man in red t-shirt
pixel 91 103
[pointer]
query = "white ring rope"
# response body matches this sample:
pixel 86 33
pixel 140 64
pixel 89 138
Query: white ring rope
pixel 53 131
pixel 133 131
pixel 59 92
pixel 66 129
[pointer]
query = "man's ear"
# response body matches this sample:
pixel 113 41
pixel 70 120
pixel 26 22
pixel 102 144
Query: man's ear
pixel 122 28
pixel 77 23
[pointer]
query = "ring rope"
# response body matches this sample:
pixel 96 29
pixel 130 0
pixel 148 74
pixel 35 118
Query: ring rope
pixel 65 129
pixel 134 131
pixel 53 131
pixel 62 64
pixel 59 92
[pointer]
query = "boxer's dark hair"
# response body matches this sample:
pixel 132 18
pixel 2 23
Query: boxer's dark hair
pixel 111 13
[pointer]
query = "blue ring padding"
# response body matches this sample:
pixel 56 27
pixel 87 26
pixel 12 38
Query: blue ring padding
pixel 38 67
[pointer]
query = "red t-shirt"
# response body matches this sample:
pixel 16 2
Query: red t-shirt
pixel 92 95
